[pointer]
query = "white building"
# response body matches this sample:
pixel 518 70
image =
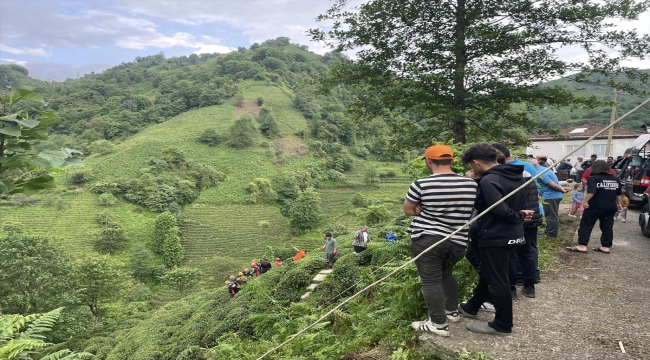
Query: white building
pixel 556 145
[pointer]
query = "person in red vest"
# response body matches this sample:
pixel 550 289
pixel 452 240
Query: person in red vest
pixel 299 253
pixel 232 288
pixel 256 268
pixel 278 261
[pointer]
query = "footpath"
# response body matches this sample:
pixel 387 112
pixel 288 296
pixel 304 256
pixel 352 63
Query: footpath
pixel 315 282
pixel 591 306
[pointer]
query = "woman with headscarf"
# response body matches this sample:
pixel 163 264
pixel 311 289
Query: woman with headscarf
pixel 602 201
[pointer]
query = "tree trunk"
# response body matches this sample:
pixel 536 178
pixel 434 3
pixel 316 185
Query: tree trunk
pixel 459 93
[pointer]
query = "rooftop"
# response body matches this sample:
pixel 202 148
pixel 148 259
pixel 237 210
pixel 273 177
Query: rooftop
pixel 586 131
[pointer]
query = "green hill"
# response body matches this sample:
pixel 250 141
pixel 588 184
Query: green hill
pixel 17 76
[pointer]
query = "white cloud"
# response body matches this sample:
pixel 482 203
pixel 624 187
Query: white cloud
pixel 24 50
pixel 12 61
pixel 212 48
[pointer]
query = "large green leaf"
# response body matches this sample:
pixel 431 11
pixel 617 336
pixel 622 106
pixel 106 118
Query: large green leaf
pixel 27 123
pixel 73 161
pixel 25 94
pixel 11 130
pixel 55 158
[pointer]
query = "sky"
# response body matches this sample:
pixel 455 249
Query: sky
pixel 57 39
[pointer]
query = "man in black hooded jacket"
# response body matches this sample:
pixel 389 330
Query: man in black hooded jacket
pixel 499 231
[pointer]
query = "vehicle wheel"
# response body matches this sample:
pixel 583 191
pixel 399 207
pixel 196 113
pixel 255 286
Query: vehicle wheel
pixel 644 231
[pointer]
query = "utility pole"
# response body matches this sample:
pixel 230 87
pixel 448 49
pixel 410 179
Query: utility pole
pixel 611 130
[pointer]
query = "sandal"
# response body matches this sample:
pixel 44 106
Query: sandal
pixel 575 249
pixel 598 249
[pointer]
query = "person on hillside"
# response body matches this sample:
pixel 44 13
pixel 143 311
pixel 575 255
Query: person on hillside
pixel 577 196
pixel 278 262
pixel 553 194
pixel 249 274
pixel 236 281
pixel 602 201
pixel 299 253
pixel 232 288
pixel 587 164
pixel 330 248
pixel 441 203
pixel 242 277
pixel 525 259
pixel 499 231
pixel 265 266
pixel 256 268
pixel 625 203
pixel 361 239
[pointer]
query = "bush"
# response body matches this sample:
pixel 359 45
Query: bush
pixel 105 218
pixel 292 285
pixel 260 101
pixel 102 147
pixel 260 191
pixel 359 200
pixel 13 227
pixel 388 174
pixel 336 229
pixel 107 199
pixel 239 100
pixel 371 176
pixel 182 278
pixel 336 176
pixel 163 225
pixel 284 254
pixel 242 133
pixel 142 265
pixel 22 200
pixel 140 292
pixel 172 252
pixel 268 125
pixel 376 214
pixel 306 213
pixel 79 178
pixel 112 238
pixel 346 271
pixel 211 138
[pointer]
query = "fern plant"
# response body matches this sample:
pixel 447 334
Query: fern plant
pixel 21 335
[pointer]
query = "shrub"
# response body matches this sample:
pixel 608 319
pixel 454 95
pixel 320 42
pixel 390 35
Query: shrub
pixel 142 265
pixel 306 213
pixel 260 101
pixel 105 187
pixel 284 254
pixel 172 252
pixel 102 147
pixel 13 227
pixel 111 238
pixel 239 100
pixel 140 292
pixel 268 125
pixel 182 278
pixel 79 177
pixel 336 229
pixel 163 225
pixel 371 176
pixel 211 138
pixel 376 214
pixel 388 174
pixel 242 133
pixel 22 200
pixel 107 199
pixel 260 191
pixel 359 200
pixel 336 176
pixel 105 218
pixel 346 271
pixel 292 285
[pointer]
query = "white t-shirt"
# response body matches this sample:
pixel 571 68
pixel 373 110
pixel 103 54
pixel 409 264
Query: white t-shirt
pixel 365 237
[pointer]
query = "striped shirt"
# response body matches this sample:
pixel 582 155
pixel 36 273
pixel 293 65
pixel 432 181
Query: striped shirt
pixel 447 202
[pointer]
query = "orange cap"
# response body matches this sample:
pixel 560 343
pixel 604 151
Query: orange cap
pixel 439 152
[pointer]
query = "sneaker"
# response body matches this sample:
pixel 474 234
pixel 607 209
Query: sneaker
pixel 487 307
pixel 572 215
pixel 622 219
pixel 615 218
pixel 513 292
pixel 528 291
pixel 465 313
pixel 484 328
pixel 453 316
pixel 428 326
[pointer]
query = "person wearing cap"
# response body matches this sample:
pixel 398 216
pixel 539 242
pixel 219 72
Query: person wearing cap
pixel 553 193
pixel 330 249
pixel 441 203
pixel 278 262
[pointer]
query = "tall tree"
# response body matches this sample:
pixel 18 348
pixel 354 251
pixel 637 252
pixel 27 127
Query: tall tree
pixel 99 280
pixel 34 274
pixel 458 66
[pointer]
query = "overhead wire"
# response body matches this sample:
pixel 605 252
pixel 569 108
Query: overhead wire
pixel 523 186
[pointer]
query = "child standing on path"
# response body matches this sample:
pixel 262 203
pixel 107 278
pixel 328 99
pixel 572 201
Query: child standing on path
pixel 625 203
pixel 577 196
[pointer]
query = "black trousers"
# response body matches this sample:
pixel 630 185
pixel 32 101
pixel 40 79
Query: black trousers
pixel 494 284
pixel 606 222
pixel 358 249
pixel 526 256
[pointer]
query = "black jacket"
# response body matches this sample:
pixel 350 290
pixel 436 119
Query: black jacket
pixel 532 203
pixel 503 225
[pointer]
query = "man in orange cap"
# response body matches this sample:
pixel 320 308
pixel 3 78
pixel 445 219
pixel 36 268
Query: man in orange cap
pixel 441 203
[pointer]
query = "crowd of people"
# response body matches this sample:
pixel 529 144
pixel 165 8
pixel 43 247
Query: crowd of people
pixel 501 245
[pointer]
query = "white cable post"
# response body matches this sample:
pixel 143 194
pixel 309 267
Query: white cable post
pixel 292 337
